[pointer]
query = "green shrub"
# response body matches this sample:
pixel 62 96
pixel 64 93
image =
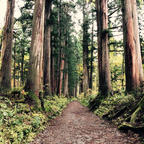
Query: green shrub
pixel 19 122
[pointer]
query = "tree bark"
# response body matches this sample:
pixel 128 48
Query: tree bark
pixel 61 74
pixel 85 52
pixel 7 46
pixel 91 62
pixel 36 51
pixel 47 49
pixel 14 68
pixel 103 52
pixel 66 80
pixel 137 39
pixel 131 61
pixel 22 65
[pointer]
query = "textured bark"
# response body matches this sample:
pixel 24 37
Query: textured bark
pixel 91 62
pixel 85 52
pixel 47 49
pixel 36 51
pixel 137 39
pixel 7 46
pixel 66 80
pixel 61 74
pixel 131 62
pixel 103 54
pixel 53 79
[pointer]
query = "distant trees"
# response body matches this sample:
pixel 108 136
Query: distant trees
pixel 58 60
pixel 7 44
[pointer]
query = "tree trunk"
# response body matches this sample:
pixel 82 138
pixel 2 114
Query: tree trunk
pixel 22 65
pixel 7 46
pixel 52 72
pixel 85 52
pixel 91 62
pixel 14 69
pixel 61 74
pixel 137 39
pixel 131 62
pixel 36 51
pixel 47 49
pixel 103 52
pixel 66 80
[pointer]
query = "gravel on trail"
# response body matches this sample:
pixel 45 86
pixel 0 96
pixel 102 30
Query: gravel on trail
pixel 77 125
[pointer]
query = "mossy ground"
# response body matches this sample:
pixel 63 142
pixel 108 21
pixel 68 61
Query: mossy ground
pixel 120 108
pixel 20 122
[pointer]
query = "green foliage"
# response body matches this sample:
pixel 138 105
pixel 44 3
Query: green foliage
pixel 19 122
pixel 85 100
pixel 111 102
pixel 54 105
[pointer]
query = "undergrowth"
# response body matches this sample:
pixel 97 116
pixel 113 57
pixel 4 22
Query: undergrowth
pixel 20 122
pixel 124 110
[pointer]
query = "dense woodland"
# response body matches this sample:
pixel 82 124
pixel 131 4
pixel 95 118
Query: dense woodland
pixel 92 51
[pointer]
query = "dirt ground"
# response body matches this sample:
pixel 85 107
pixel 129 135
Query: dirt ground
pixel 77 125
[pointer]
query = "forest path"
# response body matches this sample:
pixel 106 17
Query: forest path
pixel 77 125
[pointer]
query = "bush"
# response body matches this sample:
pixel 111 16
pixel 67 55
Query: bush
pixel 19 122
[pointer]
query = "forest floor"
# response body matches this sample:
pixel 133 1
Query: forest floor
pixel 77 125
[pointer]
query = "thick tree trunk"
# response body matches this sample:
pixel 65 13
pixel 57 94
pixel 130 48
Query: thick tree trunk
pixel 131 61
pixel 85 52
pixel 103 52
pixel 61 74
pixel 66 80
pixel 47 49
pixel 35 81
pixel 137 39
pixel 91 62
pixel 7 46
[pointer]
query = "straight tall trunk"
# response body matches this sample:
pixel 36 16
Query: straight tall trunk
pixel 52 72
pixel 66 80
pixel 47 49
pixel 131 60
pixel 35 81
pixel 22 66
pixel 7 46
pixel 14 68
pixel 85 52
pixel 137 39
pixel 103 52
pixel 61 74
pixel 91 62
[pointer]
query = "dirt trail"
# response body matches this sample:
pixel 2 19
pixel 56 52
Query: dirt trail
pixel 77 125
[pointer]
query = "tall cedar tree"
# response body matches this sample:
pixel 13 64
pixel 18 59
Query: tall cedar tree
pixel 137 39
pixel 7 46
pixel 103 54
pixel 35 82
pixel 131 61
pixel 47 49
pixel 92 50
pixel 85 50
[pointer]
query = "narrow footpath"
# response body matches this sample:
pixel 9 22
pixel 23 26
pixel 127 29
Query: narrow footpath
pixel 77 125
